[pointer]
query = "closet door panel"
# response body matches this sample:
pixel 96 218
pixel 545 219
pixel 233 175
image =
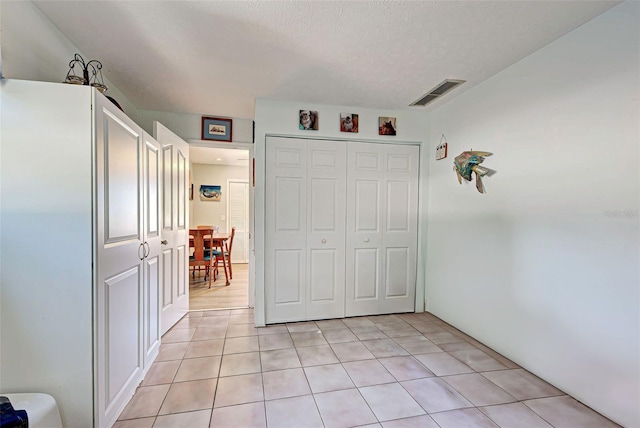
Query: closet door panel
pixel 382 185
pixel 326 204
pixel 289 274
pixel 397 267
pixel 400 234
pixel 365 218
pixel 285 229
pixel 366 274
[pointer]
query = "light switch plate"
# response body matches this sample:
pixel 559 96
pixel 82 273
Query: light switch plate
pixel 222 217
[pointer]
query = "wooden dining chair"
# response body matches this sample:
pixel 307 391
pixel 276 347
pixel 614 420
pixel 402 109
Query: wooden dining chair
pixel 227 253
pixel 204 254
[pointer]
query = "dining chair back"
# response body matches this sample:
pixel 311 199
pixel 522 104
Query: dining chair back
pixel 203 252
pixel 227 252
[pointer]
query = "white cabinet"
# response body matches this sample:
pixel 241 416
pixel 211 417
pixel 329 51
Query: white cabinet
pixel 341 228
pixel 81 266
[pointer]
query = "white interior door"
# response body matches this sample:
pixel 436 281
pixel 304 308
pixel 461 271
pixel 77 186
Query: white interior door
pixel 238 215
pixel 175 227
pixel 326 205
pixel 152 192
pixel 120 252
pixel 382 208
pixel 285 229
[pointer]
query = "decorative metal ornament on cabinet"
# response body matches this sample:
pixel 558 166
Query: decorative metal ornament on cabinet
pixel 91 73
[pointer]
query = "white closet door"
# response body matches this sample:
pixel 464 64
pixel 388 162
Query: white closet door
pixel 238 215
pixel 365 216
pixel 382 195
pixel 400 229
pixel 286 229
pixel 326 206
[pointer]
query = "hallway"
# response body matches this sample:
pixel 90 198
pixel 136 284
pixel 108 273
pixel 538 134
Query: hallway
pixel 220 296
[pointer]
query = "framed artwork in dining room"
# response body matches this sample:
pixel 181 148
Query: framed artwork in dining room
pixel 217 129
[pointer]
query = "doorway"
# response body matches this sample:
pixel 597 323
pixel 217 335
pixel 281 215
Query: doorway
pixel 227 170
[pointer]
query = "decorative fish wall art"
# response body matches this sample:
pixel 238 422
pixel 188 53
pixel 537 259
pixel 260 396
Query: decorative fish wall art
pixel 469 162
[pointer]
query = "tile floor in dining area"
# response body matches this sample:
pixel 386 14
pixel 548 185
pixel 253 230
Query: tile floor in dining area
pixel 215 369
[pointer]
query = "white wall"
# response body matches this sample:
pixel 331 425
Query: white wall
pixel 544 268
pixel 34 49
pixel 281 118
pixel 208 212
pixel 189 126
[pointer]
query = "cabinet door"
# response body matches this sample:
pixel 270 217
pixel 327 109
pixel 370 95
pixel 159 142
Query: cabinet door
pixel 326 206
pixel 120 252
pixel 285 229
pixel 152 192
pixel 175 212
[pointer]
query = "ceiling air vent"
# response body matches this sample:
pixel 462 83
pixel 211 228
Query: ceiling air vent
pixel 438 91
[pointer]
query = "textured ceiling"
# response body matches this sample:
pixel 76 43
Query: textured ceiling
pixel 216 57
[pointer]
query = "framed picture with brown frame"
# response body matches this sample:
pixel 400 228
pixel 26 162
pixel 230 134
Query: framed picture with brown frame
pixel 216 129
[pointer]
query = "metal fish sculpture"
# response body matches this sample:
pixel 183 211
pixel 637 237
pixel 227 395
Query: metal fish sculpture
pixel 467 162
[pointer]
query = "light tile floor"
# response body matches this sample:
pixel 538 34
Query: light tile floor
pixel 215 369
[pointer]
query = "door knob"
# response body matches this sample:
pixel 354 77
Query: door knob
pixel 366 239
pixel 164 242
pixel 324 241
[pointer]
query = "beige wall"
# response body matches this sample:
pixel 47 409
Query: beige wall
pixel 208 212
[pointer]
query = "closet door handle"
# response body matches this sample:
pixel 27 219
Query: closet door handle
pixel 147 249
pixel 366 239
pixel 141 247
pixel 324 241
pixel 164 242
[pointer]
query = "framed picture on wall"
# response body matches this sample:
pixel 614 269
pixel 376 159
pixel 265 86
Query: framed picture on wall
pixel 210 193
pixel 387 126
pixel 216 129
pixel 348 122
pixel 308 120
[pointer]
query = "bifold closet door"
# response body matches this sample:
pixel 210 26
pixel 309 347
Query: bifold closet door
pixel 326 206
pixel 304 236
pixel 382 208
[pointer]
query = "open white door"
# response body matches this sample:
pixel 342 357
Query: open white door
pixel 175 227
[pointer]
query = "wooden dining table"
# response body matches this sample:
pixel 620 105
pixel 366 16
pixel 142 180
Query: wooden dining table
pixel 220 242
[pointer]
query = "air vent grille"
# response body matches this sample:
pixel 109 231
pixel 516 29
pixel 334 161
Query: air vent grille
pixel 438 91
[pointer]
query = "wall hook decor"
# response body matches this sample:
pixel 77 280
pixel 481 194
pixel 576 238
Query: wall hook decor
pixel 469 162
pixel 90 73
pixel 441 150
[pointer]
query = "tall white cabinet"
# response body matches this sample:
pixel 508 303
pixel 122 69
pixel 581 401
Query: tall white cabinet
pixel 80 249
pixel 341 228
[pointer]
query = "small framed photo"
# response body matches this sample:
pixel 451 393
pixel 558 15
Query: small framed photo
pixel 387 126
pixel 348 122
pixel 309 120
pixel 216 129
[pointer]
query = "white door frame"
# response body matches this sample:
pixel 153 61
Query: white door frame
pixel 250 178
